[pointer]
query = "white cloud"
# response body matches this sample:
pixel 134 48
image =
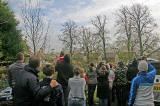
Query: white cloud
pixel 106 7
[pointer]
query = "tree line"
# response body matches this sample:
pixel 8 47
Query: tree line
pixel 135 31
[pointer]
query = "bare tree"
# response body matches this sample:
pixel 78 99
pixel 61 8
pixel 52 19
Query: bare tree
pixel 100 24
pixel 138 26
pixel 35 27
pixel 68 36
pixel 143 24
pixel 124 25
pixel 88 41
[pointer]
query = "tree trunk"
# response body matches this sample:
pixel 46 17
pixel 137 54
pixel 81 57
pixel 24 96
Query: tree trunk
pixel 34 47
pixel 71 45
pixel 140 43
pixel 104 49
pixel 88 56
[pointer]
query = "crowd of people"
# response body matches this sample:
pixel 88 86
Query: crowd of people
pixel 129 84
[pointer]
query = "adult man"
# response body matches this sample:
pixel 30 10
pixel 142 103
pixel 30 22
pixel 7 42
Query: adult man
pixel 27 88
pixel 14 68
pixel 141 93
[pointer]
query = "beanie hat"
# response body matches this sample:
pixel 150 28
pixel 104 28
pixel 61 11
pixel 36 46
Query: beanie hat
pixel 142 66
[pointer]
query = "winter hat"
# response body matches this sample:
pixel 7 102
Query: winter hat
pixel 142 66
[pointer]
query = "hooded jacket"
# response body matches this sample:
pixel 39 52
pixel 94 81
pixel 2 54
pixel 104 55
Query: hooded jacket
pixel 141 92
pixel 12 70
pixel 27 88
pixel 65 71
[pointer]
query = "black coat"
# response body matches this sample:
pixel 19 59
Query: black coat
pixel 65 71
pixel 132 70
pixel 27 88
pixel 103 86
pixel 55 98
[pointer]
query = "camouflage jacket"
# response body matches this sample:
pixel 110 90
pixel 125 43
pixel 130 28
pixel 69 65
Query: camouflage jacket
pixel 120 76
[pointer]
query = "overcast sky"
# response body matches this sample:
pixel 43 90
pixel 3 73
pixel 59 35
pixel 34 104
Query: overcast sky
pixel 81 11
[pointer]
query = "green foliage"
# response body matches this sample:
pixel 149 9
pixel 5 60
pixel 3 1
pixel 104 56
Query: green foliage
pixel 11 41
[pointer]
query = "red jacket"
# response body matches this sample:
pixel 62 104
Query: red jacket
pixel 60 59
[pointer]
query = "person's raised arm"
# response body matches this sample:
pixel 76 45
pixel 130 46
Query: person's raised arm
pixel 152 72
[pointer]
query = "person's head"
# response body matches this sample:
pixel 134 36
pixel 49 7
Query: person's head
pixel 34 62
pixel 103 68
pixel 91 64
pixel 101 63
pixel 111 65
pixel 20 57
pixel 134 62
pixel 48 70
pixel 67 58
pixel 62 53
pixel 76 71
pixel 121 64
pixel 144 58
pixel 143 66
pixel 81 72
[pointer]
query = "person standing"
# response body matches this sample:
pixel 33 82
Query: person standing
pixel 103 86
pixel 141 92
pixel 13 69
pixel 27 87
pixel 111 78
pixel 56 97
pixel 65 71
pixel 76 86
pixel 92 82
pixel 121 84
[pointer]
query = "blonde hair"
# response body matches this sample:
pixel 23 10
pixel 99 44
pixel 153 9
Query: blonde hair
pixel 81 72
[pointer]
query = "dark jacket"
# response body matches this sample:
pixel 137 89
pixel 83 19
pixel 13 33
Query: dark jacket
pixel 12 70
pixel 103 84
pixel 27 88
pixel 132 70
pixel 55 98
pixel 65 71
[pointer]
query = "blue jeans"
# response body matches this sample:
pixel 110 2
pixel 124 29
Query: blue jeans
pixel 76 102
pixel 103 102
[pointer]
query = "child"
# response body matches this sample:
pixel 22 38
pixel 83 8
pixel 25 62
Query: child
pixel 77 90
pixel 56 98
